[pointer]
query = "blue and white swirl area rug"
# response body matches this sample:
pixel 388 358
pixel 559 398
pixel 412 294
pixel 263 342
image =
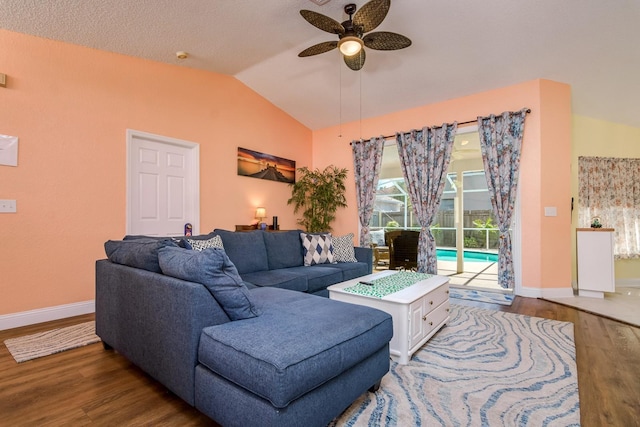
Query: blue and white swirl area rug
pixel 482 296
pixel 485 368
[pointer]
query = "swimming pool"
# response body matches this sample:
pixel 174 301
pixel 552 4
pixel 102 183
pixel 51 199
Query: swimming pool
pixel 469 256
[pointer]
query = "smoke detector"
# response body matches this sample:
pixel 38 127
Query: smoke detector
pixel 320 2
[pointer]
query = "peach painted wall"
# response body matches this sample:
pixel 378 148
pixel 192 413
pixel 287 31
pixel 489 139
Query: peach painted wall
pixel 545 166
pixel 593 137
pixel 71 106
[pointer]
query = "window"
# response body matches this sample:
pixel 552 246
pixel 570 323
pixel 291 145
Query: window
pixel 393 208
pixel 609 188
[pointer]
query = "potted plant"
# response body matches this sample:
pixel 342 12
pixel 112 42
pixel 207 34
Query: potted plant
pixel 319 194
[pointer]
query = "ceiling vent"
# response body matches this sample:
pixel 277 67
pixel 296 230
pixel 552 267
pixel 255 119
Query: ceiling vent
pixel 320 2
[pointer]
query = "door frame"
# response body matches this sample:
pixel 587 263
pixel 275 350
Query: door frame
pixel 193 167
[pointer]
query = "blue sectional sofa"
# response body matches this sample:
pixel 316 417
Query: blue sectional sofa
pixel 276 260
pixel 248 349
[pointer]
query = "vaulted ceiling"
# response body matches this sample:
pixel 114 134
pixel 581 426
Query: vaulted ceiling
pixel 459 48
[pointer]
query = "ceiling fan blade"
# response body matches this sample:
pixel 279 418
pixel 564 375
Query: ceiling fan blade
pixel 322 22
pixel 369 16
pixel 318 49
pixel 355 62
pixel 384 40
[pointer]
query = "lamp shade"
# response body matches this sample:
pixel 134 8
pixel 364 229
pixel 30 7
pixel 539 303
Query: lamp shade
pixel 350 45
pixel 261 213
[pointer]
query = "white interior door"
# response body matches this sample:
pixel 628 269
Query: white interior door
pixel 163 191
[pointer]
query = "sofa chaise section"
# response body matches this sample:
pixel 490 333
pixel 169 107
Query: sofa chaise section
pixel 300 346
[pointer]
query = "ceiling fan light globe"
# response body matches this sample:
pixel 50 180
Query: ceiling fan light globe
pixel 350 45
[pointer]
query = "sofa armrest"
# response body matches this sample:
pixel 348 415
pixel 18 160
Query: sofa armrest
pixel 155 321
pixel 365 255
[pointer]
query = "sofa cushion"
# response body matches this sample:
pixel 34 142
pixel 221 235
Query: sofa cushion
pixel 200 244
pixel 245 249
pixel 139 252
pixel 212 268
pixel 283 278
pixel 284 249
pixel 350 270
pixel 318 276
pixel 317 248
pixel 298 343
pixel 343 248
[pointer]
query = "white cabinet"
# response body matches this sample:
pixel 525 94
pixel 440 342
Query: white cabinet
pixel 427 315
pixel 596 273
pixel 418 311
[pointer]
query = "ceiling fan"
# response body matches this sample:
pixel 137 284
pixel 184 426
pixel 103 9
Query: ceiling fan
pixel 351 33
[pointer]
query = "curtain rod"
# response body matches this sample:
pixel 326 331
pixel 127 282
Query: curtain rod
pixel 468 122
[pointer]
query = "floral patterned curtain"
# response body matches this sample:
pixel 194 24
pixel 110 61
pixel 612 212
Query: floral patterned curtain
pixel 424 158
pixel 367 161
pixel 609 188
pixel 501 145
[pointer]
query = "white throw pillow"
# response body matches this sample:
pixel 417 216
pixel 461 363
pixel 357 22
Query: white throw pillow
pixel 200 245
pixel 343 248
pixel 377 237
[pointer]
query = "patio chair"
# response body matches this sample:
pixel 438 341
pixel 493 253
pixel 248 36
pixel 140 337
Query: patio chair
pixel 403 249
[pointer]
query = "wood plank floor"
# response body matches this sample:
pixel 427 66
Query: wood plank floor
pixel 91 386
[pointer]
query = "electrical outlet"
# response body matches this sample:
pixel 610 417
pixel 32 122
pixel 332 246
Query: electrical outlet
pixel 7 206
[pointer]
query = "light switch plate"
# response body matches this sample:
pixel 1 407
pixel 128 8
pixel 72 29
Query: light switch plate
pixel 550 211
pixel 7 206
pixel 8 150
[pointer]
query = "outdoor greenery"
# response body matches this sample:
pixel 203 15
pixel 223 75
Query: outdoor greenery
pixel 318 194
pixel 477 239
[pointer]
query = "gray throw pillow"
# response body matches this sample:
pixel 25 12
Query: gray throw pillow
pixel 213 269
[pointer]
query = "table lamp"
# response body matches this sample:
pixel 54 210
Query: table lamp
pixel 261 213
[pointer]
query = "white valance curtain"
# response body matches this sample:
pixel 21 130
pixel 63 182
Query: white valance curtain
pixel 609 188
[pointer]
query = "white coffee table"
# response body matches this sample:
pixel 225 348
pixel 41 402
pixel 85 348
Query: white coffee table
pixel 418 311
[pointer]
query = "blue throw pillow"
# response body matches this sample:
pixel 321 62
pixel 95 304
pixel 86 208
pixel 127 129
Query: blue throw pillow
pixel 139 253
pixel 212 268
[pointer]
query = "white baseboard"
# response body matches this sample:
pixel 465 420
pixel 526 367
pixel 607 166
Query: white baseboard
pixel 628 283
pixel 557 293
pixel 545 292
pixel 528 292
pixel 16 320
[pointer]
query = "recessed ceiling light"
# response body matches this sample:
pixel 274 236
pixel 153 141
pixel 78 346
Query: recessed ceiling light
pixel 320 2
pixel 182 54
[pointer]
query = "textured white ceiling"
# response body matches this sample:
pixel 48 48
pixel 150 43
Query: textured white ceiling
pixel 459 48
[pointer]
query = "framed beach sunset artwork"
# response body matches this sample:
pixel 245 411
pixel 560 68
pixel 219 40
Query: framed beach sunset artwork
pixel 265 166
